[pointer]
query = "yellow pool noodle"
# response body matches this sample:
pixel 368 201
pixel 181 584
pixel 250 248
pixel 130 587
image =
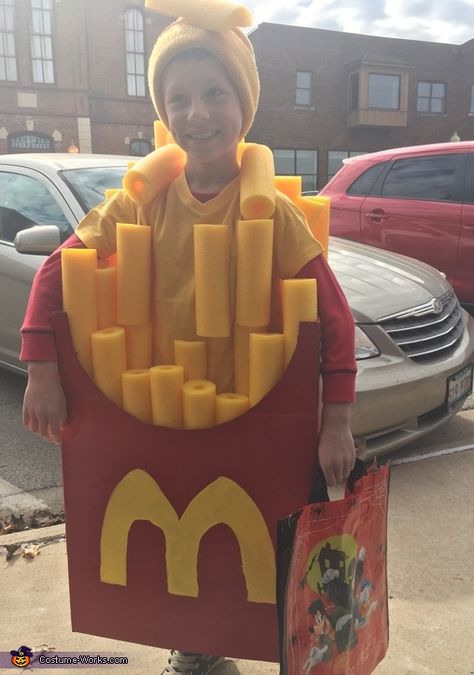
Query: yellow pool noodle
pixel 290 186
pixel 110 361
pixel 133 274
pixel 217 15
pixel 136 393
pixel 192 355
pixel 299 304
pixel 211 275
pixel 153 173
pixel 265 364
pixel 321 227
pixel 317 214
pixel 78 270
pixel 167 395
pixel 160 133
pixel 106 289
pixel 241 356
pixel 199 404
pixel 110 192
pixel 257 188
pixel 230 405
pixel 139 342
pixel 254 244
pixel 241 147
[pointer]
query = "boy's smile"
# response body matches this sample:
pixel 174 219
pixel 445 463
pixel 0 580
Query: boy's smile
pixel 204 112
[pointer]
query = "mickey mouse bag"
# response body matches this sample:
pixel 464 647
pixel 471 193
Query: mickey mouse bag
pixel 332 581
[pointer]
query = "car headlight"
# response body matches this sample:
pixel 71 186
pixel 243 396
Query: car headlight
pixel 364 347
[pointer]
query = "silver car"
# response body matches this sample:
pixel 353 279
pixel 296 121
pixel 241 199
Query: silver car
pixel 414 343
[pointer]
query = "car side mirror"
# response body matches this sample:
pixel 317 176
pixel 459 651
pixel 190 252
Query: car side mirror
pixel 38 240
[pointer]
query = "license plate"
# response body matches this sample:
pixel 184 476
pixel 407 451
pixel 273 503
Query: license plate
pixel 459 386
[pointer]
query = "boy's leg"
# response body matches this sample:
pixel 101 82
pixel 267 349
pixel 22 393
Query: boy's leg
pixel 190 663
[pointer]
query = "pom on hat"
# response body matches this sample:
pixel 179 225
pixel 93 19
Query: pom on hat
pixel 231 47
pixel 219 15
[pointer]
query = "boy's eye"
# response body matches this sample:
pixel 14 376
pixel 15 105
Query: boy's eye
pixel 215 91
pixel 177 98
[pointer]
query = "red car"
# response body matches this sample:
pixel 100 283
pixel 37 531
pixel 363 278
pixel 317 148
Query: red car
pixel 418 201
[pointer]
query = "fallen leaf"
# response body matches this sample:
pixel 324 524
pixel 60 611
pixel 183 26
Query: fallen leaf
pixel 30 551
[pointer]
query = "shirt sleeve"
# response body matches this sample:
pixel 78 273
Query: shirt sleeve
pixel 294 245
pixel 38 343
pixel 98 228
pixel 338 365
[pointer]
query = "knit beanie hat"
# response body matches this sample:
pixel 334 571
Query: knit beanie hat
pixel 231 47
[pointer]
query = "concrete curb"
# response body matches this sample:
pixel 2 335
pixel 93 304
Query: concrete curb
pixel 44 535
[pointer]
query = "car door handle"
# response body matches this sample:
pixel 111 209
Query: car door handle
pixel 469 228
pixel 377 215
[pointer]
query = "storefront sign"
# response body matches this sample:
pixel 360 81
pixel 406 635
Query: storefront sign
pixel 30 142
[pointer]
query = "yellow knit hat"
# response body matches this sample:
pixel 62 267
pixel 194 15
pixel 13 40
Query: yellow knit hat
pixel 232 48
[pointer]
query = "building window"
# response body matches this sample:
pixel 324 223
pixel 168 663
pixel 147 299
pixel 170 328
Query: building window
pixel 139 147
pixel 7 41
pixel 384 91
pixel 303 87
pixel 471 109
pixel 41 41
pixel 354 92
pixel 302 163
pixel 431 97
pixel 336 157
pixel 135 52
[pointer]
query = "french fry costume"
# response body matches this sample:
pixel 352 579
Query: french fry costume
pixel 193 407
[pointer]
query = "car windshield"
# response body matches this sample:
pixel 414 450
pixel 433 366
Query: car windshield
pixel 89 185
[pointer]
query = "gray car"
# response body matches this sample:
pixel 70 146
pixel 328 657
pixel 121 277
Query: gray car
pixel 414 343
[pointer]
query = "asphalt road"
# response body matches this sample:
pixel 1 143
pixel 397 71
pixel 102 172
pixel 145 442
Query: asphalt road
pixel 30 468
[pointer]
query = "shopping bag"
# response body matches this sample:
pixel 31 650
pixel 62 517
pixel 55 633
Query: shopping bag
pixel 332 581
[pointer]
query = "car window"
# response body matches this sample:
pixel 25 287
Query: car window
pixel 363 184
pixel 89 185
pixel 26 201
pixel 430 178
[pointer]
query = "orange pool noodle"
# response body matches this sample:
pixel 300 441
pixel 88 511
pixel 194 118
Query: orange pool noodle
pixel 136 394
pixel 133 274
pixel 217 15
pixel 154 172
pixel 257 188
pixel 78 270
pixel 199 404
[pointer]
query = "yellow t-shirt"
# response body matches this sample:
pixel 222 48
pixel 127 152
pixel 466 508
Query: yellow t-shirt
pixel 172 216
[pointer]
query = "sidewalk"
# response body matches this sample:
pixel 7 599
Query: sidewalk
pixel 431 583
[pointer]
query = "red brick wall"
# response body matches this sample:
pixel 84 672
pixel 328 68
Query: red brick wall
pixel 89 57
pixel 282 50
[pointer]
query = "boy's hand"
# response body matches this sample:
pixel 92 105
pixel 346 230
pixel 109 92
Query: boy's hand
pixel 44 404
pixel 336 450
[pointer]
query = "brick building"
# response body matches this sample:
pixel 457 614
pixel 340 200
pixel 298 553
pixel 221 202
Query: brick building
pixel 327 94
pixel 73 73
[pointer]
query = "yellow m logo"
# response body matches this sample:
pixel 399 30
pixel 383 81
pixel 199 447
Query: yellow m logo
pixel 139 497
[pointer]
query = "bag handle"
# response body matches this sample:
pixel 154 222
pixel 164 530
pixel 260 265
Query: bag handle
pixel 319 491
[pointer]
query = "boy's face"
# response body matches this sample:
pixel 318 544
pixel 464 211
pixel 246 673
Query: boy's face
pixel 203 108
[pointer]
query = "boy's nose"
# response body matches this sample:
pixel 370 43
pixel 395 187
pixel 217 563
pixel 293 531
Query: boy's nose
pixel 198 109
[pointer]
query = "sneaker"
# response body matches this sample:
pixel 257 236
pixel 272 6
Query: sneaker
pixel 188 663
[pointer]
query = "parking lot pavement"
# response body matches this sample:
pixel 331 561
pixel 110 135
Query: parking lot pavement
pixel 431 581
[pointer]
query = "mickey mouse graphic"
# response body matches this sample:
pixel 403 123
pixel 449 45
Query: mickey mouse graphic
pixel 21 657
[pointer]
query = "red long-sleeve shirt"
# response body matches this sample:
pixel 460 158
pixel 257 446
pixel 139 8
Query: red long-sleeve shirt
pixel 338 366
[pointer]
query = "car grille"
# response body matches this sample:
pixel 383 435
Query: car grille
pixel 426 335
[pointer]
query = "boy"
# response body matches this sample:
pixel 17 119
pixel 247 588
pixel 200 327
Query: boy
pixel 204 85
